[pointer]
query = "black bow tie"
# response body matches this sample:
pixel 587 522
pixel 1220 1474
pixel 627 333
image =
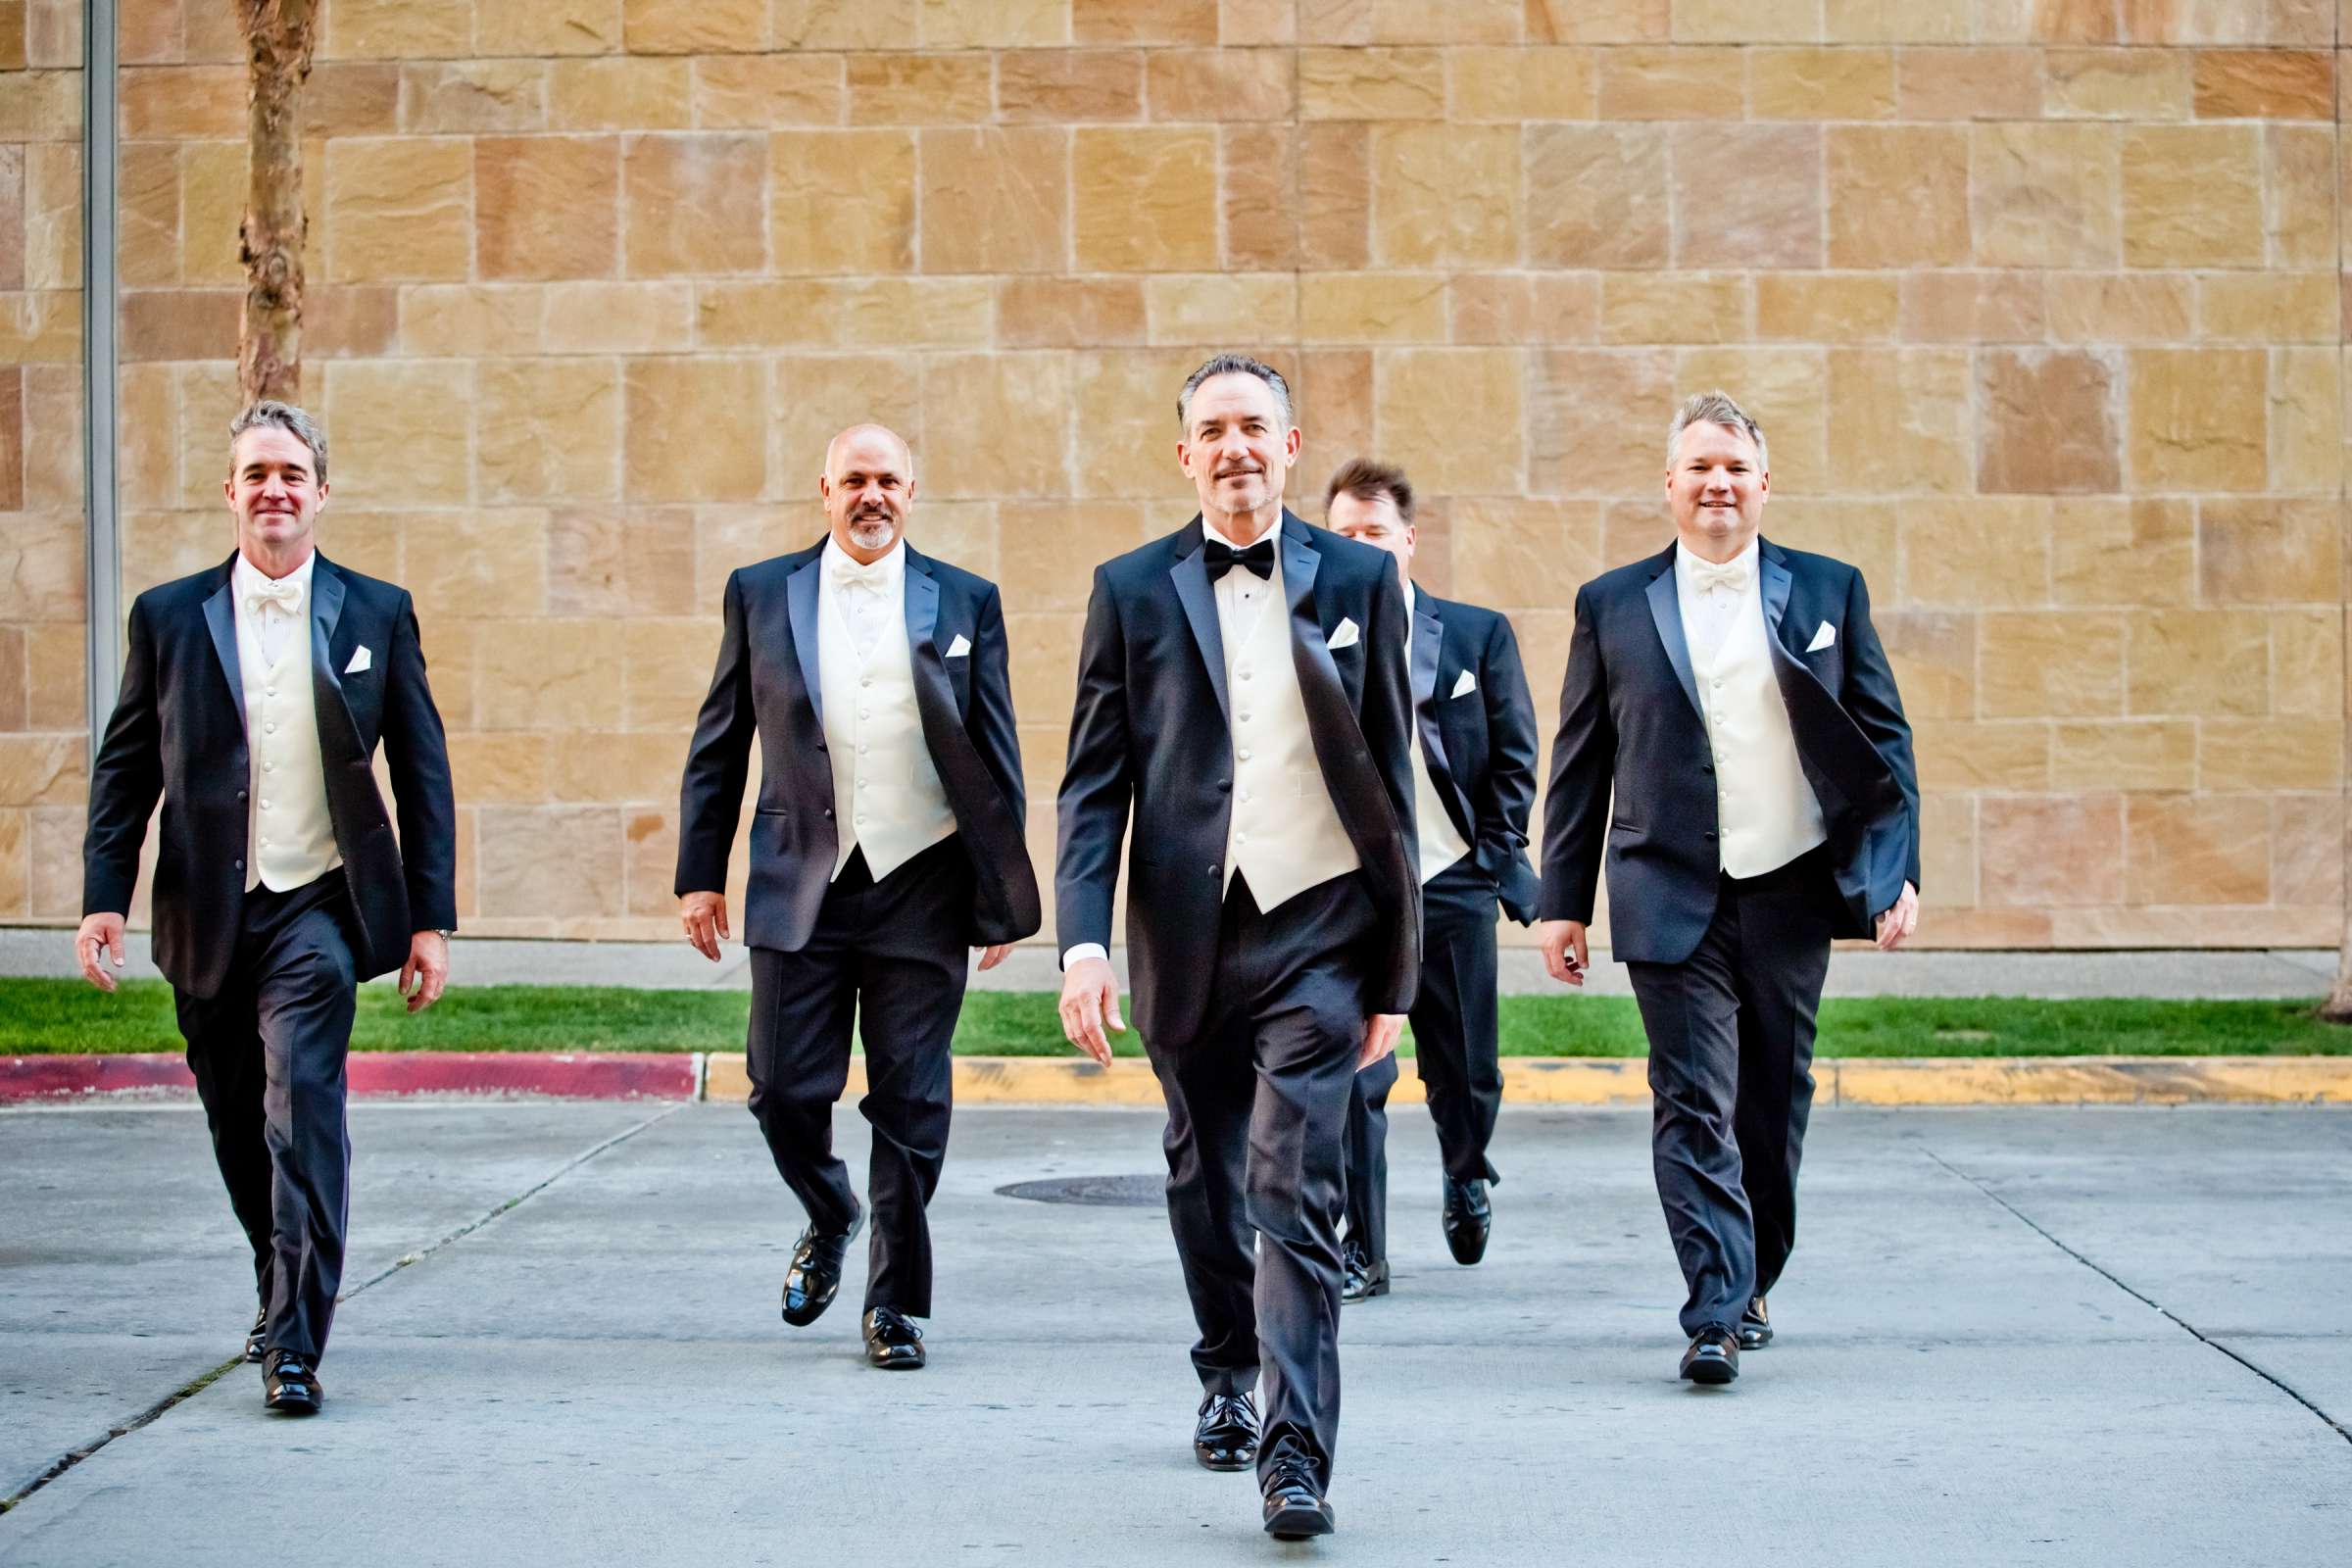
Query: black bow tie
pixel 1223 558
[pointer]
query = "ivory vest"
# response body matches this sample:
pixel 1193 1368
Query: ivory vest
pixel 885 793
pixel 1284 835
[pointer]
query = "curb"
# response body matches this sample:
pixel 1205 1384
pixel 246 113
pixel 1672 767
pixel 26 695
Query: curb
pixel 1559 1081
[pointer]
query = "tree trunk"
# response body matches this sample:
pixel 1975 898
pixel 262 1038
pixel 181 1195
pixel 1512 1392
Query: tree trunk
pixel 279 37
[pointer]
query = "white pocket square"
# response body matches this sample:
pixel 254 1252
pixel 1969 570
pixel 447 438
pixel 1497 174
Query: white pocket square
pixel 359 660
pixel 1346 636
pixel 958 648
pixel 1466 685
pixel 1822 638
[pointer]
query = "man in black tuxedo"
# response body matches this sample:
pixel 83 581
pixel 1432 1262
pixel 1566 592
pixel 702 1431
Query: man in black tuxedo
pixel 1242 689
pixel 886 840
pixel 1474 778
pixel 1734 699
pixel 254 696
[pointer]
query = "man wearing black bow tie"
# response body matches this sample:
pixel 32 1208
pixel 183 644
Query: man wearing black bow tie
pixel 1243 692
pixel 887 838
pixel 1474 777
pixel 254 697
pixel 1733 745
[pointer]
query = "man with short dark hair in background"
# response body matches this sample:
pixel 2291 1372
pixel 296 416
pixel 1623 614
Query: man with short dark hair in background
pixel 1474 777
pixel 254 697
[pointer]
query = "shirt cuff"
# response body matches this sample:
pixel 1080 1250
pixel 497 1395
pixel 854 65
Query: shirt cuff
pixel 1084 950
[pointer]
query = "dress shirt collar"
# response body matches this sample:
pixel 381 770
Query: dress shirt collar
pixel 245 577
pixel 1212 532
pixel 885 573
pixel 1687 566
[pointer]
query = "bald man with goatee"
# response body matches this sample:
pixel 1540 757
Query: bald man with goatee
pixel 887 840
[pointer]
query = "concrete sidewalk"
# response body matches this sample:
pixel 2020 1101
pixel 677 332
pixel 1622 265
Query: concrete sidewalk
pixel 2009 1337
pixel 2280 974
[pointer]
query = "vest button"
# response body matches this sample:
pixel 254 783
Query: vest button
pixel 828 812
pixel 1710 836
pixel 240 795
pixel 1225 784
pixel 1213 871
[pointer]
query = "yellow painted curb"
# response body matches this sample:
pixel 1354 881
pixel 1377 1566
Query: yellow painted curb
pixel 1623 1081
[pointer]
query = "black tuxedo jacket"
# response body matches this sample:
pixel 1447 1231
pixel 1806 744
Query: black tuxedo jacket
pixel 1150 731
pixel 1630 721
pixel 178 731
pixel 767 681
pixel 1480 745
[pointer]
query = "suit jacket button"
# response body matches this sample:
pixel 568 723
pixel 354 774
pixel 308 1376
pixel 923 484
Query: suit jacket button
pixel 1710 838
pixel 240 865
pixel 1223 784
pixel 240 795
pixel 1213 871
pixel 828 814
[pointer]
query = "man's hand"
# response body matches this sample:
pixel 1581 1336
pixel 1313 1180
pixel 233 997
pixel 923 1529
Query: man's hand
pixel 1897 924
pixel 991 957
pixel 1563 945
pixel 425 975
pixel 1380 1038
pixel 1090 1002
pixel 705 916
pixel 100 935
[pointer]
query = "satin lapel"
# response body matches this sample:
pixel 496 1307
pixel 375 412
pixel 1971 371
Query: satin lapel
pixel 801 604
pixel 1199 602
pixel 1428 640
pixel 1777 584
pixel 1666 609
pixel 922 623
pixel 1300 562
pixel 220 615
pixel 335 724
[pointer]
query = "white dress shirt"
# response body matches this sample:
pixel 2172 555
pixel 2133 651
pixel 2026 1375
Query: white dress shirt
pixel 887 794
pixel 289 835
pixel 1767 814
pixel 1441 845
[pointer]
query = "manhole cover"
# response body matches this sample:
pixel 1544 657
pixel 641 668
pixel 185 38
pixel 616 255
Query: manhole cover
pixel 1108 1192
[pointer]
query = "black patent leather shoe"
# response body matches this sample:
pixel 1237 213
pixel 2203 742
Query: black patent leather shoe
pixel 892 1341
pixel 1361 1279
pixel 1713 1356
pixel 253 1336
pixel 815 1277
pixel 1295 1507
pixel 1468 1216
pixel 1226 1436
pixel 1755 1326
pixel 289 1384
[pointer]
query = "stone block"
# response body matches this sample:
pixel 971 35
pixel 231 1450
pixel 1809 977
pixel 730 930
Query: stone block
pixel 1948 852
pixel 2102 307
pixel 2051 664
pixel 2270 753
pixel 1183 308
pixel 2201 662
pixel 46 105
pixel 2307 851
pixel 2045 195
pixel 549 206
pixel 1594 196
pixel 1384 307
pixel 993 23
pixel 2265 84
pixel 2306 413
pixel 1452 418
pixel 1260 171
pixel 401 431
pixel 996 201
pixel 350 98
pixel 1784 389
pixel 443 98
pixel 1372 84
pixel 2307 662
pixel 2299 196
pixel 1445 195
pixel 2051 851
pixel 694 205
pixel 399 209
pixel 1595 421
pixel 1746 21
pixel 844 24
pixel 621 562
pixel 2192 196
pixel 2123 550
pixel 667 668
pixel 397 30
pixel 1335 195
pixel 2133 84
pixel 454 321
pixel 1827 306
pixel 710 28
pixel 2199 850
pixel 43 770
pixel 1946 83
pixel 639 768
pixel 213 190
pixel 505 767
pixel 41 566
pixel 1157 22
pixel 1863 533
pixel 549 430
pixel 1974 308
pixel 548 863
pixel 997 424
pixel 2269 307
pixel 756 92
pixel 1900 420
pixel 2049 422
pixel 2199 418
pixel 1821 84
pixel 694 428
pixel 1059 86
pixel 1673 308
pixel 2153 754
pixel 1524 310
pixel 1047 562
pixel 589 317
pixel 1521 83
pixel 1674 83
pixel 1507 553
pixel 1961 754
pixel 1130 430
pixel 547 27
pixel 1145 199
pixel 1599 21
pixel 1898 196
pixel 52 216
pixel 1429 20
pixel 626 92
pixel 474 565
pixel 1069 312
pixel 845 313
pixel 1770 214
pixel 2267 551
pixel 1982 553
pixel 1334 388
pixel 1935 657
pixel 842 201
pixel 179 325
pixel 1252 22
pixel 1205 84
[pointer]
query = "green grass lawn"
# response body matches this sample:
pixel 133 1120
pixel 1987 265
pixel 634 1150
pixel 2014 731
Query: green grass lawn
pixel 39 1017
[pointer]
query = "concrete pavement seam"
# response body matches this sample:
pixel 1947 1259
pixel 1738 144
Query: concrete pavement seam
pixel 200 1382
pixel 2027 1220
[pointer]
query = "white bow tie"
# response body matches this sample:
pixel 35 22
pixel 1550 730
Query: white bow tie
pixel 284 591
pixel 846 572
pixel 1733 576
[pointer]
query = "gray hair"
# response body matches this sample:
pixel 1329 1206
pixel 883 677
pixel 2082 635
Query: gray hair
pixel 1717 408
pixel 1233 364
pixel 289 419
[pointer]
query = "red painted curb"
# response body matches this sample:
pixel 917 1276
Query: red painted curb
pixel 372 1074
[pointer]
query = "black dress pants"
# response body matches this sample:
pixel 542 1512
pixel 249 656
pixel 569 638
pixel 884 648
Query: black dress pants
pixel 1731 1058
pixel 1454 1041
pixel 267 1053
pixel 1257 1109
pixel 890 959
